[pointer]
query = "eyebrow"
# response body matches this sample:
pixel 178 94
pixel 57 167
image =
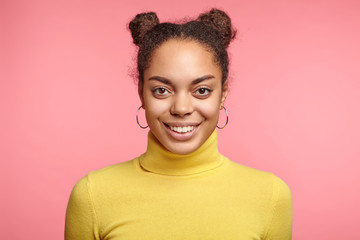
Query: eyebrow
pixel 194 82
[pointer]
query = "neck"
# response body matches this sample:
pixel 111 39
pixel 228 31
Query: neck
pixel 159 160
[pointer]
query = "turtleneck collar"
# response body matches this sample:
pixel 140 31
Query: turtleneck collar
pixel 158 159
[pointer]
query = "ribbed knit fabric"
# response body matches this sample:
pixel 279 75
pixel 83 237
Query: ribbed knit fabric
pixel 162 195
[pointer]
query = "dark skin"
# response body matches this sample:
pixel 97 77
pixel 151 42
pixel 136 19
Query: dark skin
pixel 182 95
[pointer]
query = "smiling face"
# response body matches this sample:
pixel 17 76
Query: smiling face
pixel 182 95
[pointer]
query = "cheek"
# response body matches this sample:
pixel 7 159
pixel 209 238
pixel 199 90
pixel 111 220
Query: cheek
pixel 155 108
pixel 209 110
pixel 210 107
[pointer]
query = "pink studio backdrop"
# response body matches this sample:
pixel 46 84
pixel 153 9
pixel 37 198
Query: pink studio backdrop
pixel 68 104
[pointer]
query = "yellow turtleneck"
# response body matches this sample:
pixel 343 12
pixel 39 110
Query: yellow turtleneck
pixel 159 160
pixel 162 195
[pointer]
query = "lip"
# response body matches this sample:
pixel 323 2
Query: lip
pixel 182 124
pixel 181 136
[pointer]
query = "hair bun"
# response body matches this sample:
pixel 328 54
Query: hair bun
pixel 141 24
pixel 220 21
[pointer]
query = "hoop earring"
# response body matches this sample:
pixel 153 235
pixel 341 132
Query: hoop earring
pixel 227 120
pixel 137 118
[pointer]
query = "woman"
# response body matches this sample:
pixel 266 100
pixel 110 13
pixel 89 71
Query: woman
pixel 181 187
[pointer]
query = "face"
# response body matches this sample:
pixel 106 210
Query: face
pixel 182 95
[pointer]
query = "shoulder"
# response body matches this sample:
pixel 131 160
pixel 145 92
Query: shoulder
pixel 106 177
pixel 280 187
pixel 281 195
pixel 269 193
pixel 249 174
pixel 279 216
pixel 260 181
pixel 113 171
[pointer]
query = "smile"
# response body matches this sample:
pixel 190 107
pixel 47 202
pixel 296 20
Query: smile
pixel 182 129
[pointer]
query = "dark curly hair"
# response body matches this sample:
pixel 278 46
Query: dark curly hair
pixel 211 29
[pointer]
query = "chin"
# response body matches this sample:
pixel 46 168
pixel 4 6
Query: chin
pixel 182 148
pixel 185 147
pixel 183 143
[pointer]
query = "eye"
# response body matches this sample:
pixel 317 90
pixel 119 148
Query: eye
pixel 160 92
pixel 203 92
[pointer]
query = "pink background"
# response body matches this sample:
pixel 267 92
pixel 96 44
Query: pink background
pixel 68 104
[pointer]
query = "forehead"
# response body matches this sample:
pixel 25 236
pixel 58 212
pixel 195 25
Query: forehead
pixel 182 60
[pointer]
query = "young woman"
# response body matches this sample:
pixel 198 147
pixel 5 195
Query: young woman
pixel 181 187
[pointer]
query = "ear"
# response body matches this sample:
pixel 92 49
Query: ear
pixel 225 90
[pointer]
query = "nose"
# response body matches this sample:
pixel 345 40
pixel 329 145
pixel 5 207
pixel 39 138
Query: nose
pixel 182 105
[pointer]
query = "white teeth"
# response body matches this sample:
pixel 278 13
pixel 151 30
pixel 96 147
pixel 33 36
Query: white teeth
pixel 182 129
